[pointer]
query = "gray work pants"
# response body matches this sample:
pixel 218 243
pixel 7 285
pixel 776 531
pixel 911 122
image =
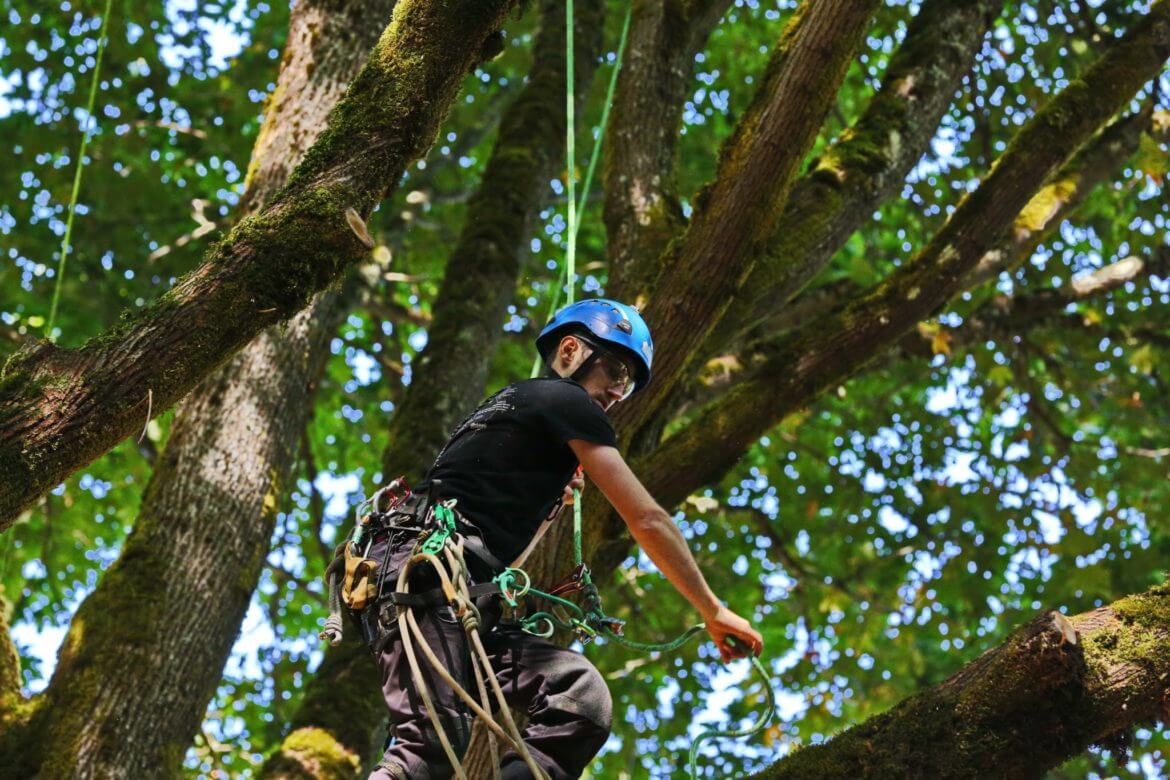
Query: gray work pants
pixel 568 703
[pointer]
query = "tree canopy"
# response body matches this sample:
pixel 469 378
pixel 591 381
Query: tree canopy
pixel 886 516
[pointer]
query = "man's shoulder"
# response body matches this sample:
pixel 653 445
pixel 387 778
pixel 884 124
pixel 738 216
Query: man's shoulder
pixel 552 389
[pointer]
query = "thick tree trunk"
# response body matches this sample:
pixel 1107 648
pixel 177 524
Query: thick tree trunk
pixel 61 408
pixel 736 213
pixel 120 707
pixel 642 209
pixel 1055 687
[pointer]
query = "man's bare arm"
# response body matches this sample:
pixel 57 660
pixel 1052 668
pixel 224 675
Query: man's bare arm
pixel 655 532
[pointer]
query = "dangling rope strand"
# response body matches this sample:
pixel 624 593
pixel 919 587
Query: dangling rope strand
pixel 89 124
pixel 569 271
pixel 570 147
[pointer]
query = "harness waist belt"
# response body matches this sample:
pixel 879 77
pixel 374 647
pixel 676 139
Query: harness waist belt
pixel 435 597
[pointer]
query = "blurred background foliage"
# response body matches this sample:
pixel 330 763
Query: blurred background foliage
pixel 883 537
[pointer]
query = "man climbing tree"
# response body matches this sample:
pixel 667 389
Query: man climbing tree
pixel 908 390
pixel 503 470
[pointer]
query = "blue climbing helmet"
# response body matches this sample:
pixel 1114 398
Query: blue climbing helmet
pixel 614 324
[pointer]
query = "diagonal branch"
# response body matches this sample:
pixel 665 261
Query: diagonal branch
pixel 704 269
pixel 867 163
pixel 1055 202
pixel 642 211
pixel 832 348
pixel 1063 194
pixel 1052 689
pixel 61 408
pixel 1003 315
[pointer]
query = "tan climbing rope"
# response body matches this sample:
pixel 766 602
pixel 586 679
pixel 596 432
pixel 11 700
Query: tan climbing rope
pixel 452 573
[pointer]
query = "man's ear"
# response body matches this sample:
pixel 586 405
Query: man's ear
pixel 568 347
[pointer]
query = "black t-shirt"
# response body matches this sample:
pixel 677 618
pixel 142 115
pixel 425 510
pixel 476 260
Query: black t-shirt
pixel 509 461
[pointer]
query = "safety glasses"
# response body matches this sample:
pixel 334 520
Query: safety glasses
pixel 617 371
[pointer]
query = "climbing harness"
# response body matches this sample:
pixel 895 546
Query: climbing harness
pixel 357 581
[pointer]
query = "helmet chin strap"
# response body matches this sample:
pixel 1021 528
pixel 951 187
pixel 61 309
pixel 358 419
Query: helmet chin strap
pixel 586 364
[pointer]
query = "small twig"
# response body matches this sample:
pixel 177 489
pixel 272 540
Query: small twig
pixel 204 226
pixel 149 409
pixel 1144 452
pixel 394 276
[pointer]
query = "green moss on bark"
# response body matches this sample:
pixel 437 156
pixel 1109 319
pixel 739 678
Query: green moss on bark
pixel 343 700
pixel 269 265
pixel 311 754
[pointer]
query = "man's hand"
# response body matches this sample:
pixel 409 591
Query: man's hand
pixel 724 623
pixel 576 483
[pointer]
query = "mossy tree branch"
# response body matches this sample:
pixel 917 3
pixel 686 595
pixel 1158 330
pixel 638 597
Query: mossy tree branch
pixel 866 164
pixel 1052 689
pixel 1097 162
pixel 642 212
pixel 340 716
pixel 862 168
pixel 836 346
pixel 9 665
pixel 1056 201
pixel 61 408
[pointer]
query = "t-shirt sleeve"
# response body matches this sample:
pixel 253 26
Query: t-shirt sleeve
pixel 568 412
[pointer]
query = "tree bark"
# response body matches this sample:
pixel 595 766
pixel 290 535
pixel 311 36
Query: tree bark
pixel 861 169
pixel 1061 196
pixel 642 211
pixel 1048 209
pixel 705 268
pixel 834 347
pixel 10 696
pixel 61 408
pixel 867 163
pixel 187 572
pixel 1055 687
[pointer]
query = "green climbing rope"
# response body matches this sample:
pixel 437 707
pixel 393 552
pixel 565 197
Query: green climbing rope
pixel 89 123
pixel 761 723
pixel 576 208
pixel 570 147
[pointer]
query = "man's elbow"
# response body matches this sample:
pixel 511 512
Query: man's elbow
pixel 649 520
